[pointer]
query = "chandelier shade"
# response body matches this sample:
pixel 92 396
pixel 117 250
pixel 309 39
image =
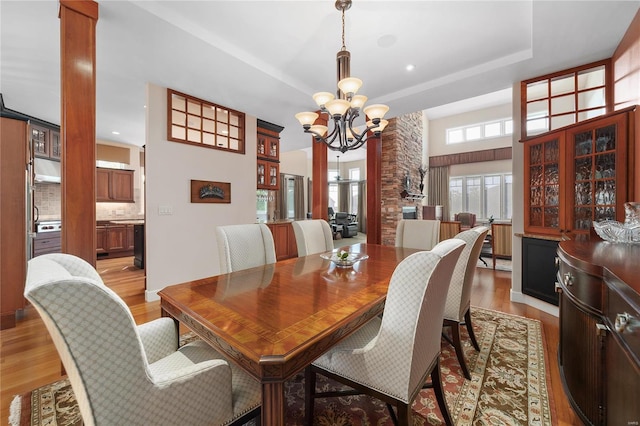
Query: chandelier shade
pixel 342 110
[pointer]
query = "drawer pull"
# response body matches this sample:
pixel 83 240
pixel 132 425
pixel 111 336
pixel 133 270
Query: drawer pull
pixel 558 287
pixel 568 279
pixel 557 261
pixel 625 322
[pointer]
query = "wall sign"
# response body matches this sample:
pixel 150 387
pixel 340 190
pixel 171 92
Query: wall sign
pixel 204 191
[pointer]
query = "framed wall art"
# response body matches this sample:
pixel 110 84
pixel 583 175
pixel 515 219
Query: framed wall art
pixel 204 191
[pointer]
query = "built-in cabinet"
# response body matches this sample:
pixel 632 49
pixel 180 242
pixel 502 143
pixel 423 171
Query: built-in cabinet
pixel 46 142
pixel 284 240
pixel 114 240
pixel 599 345
pixel 577 175
pixel 538 269
pixel 268 156
pixel 114 185
pixel 47 242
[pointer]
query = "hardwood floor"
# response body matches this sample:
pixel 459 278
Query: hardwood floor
pixel 28 358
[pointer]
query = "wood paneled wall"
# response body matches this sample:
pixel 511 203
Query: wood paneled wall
pixel 471 157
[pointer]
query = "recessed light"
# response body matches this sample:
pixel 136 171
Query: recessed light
pixel 410 67
pixel 115 133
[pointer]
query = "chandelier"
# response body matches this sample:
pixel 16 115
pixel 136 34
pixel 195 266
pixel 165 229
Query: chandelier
pixel 344 108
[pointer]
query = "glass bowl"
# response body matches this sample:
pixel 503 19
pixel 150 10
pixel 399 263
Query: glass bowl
pixel 616 232
pixel 348 261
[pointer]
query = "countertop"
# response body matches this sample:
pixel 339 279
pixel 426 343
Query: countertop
pixel 127 222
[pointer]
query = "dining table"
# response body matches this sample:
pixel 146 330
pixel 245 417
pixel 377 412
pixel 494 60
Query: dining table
pixel 276 319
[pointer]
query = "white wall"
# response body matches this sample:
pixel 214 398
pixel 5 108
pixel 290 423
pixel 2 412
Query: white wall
pixel 182 246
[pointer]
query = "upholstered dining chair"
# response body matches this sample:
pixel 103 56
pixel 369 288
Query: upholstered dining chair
pixel 123 373
pixel 467 220
pixel 457 309
pixel 417 234
pixel 312 236
pixel 501 245
pixel 449 230
pixel 244 246
pixel 391 357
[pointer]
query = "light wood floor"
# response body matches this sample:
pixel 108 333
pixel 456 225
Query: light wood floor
pixel 28 358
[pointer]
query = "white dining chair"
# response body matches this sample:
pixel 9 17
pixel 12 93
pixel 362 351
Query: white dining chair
pixel 127 374
pixel 417 234
pixel 244 246
pixel 391 357
pixel 312 236
pixel 457 310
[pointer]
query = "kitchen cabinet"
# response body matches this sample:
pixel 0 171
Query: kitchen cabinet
pixel 114 240
pixel 284 240
pixel 46 142
pixel 599 345
pixel 268 156
pixel 577 175
pixel 114 185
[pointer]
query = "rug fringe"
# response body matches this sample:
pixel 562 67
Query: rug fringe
pixel 15 411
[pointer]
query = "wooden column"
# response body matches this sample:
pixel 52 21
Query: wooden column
pixel 78 126
pixel 374 192
pixel 319 176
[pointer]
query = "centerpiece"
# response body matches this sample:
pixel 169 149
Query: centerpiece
pixel 343 258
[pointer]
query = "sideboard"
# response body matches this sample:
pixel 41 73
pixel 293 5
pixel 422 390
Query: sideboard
pixel 599 346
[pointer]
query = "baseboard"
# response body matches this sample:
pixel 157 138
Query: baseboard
pixel 518 297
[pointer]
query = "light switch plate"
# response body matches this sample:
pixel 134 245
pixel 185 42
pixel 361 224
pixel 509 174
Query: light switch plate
pixel 165 210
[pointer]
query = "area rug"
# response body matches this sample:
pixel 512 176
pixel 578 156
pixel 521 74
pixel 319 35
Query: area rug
pixel 508 386
pixel 501 264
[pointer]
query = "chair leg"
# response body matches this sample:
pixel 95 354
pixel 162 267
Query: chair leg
pixel 404 414
pixel 309 393
pixel 494 263
pixel 457 344
pixel 436 381
pixel 472 335
pixel 482 260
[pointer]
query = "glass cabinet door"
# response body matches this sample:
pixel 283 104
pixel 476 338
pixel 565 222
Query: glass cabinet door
pixel 543 208
pixel 597 179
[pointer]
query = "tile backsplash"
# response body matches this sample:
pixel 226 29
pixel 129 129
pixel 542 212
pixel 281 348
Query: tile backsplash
pixel 47 197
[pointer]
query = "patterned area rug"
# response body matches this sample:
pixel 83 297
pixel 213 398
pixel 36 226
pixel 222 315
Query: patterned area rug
pixel 508 386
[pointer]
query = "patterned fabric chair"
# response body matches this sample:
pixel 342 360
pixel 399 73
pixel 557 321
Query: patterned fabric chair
pixel 457 310
pixel 391 357
pixel 312 236
pixel 449 230
pixel 122 373
pixel 501 236
pixel 244 246
pixel 467 220
pixel 417 234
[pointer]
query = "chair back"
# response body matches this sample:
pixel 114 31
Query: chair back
pixel 94 333
pixel 467 220
pixel 417 234
pixel 501 239
pixel 408 341
pixel 459 295
pixel 244 246
pixel 449 230
pixel 312 236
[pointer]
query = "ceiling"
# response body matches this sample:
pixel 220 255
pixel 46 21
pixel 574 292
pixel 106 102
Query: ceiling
pixel 266 58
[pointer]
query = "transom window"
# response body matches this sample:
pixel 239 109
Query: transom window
pixel 563 98
pixel 478 131
pixel 195 121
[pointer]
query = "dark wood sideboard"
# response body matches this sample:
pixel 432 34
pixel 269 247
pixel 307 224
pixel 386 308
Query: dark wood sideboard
pixel 599 349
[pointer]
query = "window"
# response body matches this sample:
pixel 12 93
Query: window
pixel 333 196
pixel 332 174
pixel 194 121
pixel 474 132
pixel 353 202
pixel 291 202
pixel 486 196
pixel 563 98
pixel 354 174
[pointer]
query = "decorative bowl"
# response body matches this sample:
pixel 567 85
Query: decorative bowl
pixel 616 232
pixel 341 260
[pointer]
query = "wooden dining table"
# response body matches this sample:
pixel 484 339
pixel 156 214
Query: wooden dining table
pixel 276 319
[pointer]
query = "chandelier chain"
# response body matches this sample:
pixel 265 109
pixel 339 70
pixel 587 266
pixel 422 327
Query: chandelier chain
pixel 344 47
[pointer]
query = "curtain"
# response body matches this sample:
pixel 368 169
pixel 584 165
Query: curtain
pixel 362 206
pixel 298 197
pixel 439 189
pixel 343 197
pixel 309 195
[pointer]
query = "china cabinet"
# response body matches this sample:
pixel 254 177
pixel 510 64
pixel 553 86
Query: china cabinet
pixel 577 175
pixel 268 156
